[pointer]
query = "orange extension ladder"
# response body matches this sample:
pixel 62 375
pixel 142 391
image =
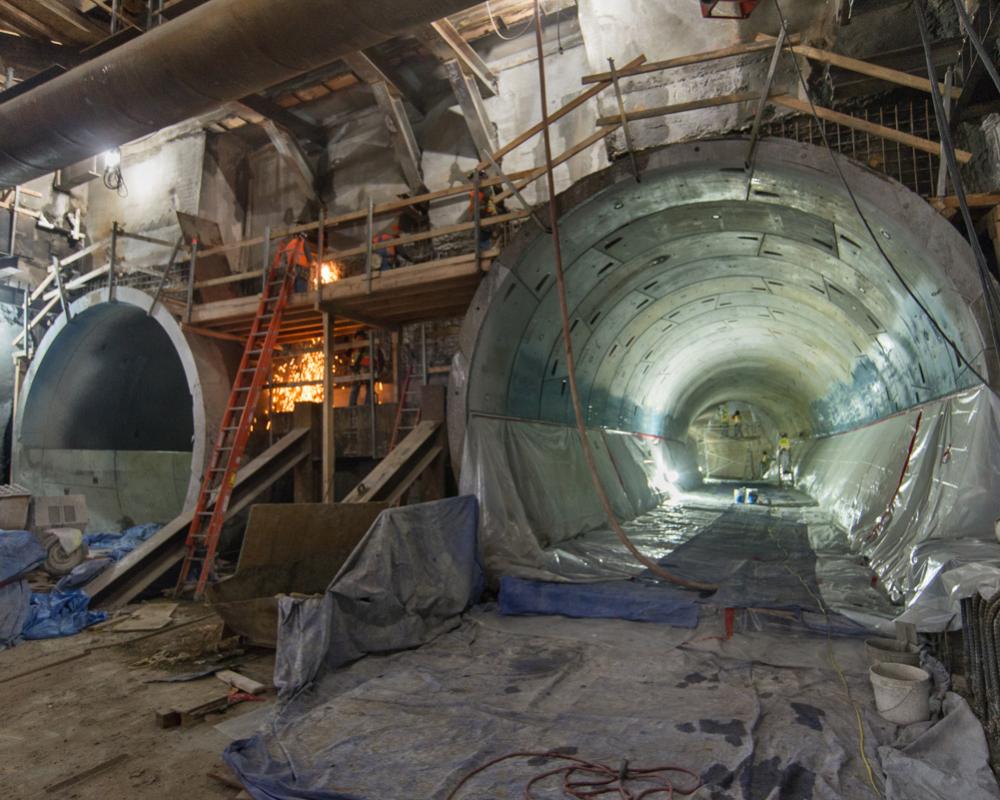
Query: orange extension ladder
pixel 255 367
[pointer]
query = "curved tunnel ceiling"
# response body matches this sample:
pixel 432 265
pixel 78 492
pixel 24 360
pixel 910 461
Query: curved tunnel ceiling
pixel 684 294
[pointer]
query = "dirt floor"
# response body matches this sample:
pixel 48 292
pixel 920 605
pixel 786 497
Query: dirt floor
pixel 79 715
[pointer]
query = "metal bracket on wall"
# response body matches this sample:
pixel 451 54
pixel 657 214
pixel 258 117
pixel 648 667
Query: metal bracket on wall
pixel 190 286
pixel 166 274
pixel 625 124
pixel 761 106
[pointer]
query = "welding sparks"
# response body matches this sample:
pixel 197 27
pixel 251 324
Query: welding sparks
pixel 305 373
pixel 330 271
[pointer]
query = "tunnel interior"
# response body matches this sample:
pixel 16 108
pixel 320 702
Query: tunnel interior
pixel 685 294
pixel 109 413
pixel 693 293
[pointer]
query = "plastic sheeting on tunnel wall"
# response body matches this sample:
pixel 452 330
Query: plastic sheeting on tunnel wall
pixel 909 487
pixel 535 491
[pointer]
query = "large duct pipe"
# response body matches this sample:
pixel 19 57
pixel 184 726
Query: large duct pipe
pixel 215 54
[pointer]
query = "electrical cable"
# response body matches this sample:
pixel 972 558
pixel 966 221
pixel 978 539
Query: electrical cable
pixel 496 28
pixel 960 357
pixel 977 43
pixel 990 294
pixel 584 780
pixel 585 446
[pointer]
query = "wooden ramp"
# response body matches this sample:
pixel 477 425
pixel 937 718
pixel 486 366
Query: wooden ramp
pixel 399 470
pixel 137 571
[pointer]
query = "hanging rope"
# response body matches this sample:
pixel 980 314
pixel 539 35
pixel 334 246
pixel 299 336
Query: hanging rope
pixel 585 445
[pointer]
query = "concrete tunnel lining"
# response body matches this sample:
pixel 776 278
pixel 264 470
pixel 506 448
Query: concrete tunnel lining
pixel 119 404
pixel 684 294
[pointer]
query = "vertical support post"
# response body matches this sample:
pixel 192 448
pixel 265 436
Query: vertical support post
pixel 477 214
pixel 26 323
pixel 63 300
pixel 397 382
pixel 371 386
pixel 114 16
pixel 942 176
pixel 423 352
pixel 190 287
pixel 267 258
pixel 370 235
pixel 304 483
pixel 166 274
pixel 13 220
pixel 113 262
pixel 329 457
pixel 321 252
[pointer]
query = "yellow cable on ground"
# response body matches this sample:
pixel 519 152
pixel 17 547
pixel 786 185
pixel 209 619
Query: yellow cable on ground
pixel 833 662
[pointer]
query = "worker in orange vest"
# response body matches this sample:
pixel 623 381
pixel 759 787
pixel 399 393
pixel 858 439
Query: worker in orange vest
pixel 487 208
pixel 389 254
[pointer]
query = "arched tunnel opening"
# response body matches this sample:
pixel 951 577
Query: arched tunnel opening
pixel 694 294
pixel 114 408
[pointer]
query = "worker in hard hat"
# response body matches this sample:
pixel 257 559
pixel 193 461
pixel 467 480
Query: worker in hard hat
pixel 724 420
pixel 784 457
pixel 487 208
pixel 389 254
pixel 737 424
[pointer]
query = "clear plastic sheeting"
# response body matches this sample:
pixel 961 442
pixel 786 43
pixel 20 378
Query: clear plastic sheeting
pixel 915 491
pixel 535 490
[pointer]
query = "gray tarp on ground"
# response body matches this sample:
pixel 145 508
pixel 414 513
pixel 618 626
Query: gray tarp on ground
pixel 412 575
pixel 761 717
pixel 943 761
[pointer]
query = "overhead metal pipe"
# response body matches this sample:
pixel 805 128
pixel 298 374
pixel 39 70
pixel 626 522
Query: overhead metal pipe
pixel 215 54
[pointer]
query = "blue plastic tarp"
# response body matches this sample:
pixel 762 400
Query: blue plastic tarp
pixel 119 545
pixel 608 600
pixel 20 552
pixel 84 573
pixel 59 614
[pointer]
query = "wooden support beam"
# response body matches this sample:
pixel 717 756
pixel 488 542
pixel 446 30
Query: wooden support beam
pixel 75 24
pixel 301 128
pixel 644 68
pixel 974 201
pixel 891 134
pixel 678 108
pixel 369 72
pixel 871 70
pixel 404 141
pixel 291 153
pixel 329 456
pixel 28 24
pixel 447 44
pixel 471 102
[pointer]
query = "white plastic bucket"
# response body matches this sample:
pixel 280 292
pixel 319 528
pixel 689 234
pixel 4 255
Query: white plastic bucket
pixel 891 651
pixel 902 692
